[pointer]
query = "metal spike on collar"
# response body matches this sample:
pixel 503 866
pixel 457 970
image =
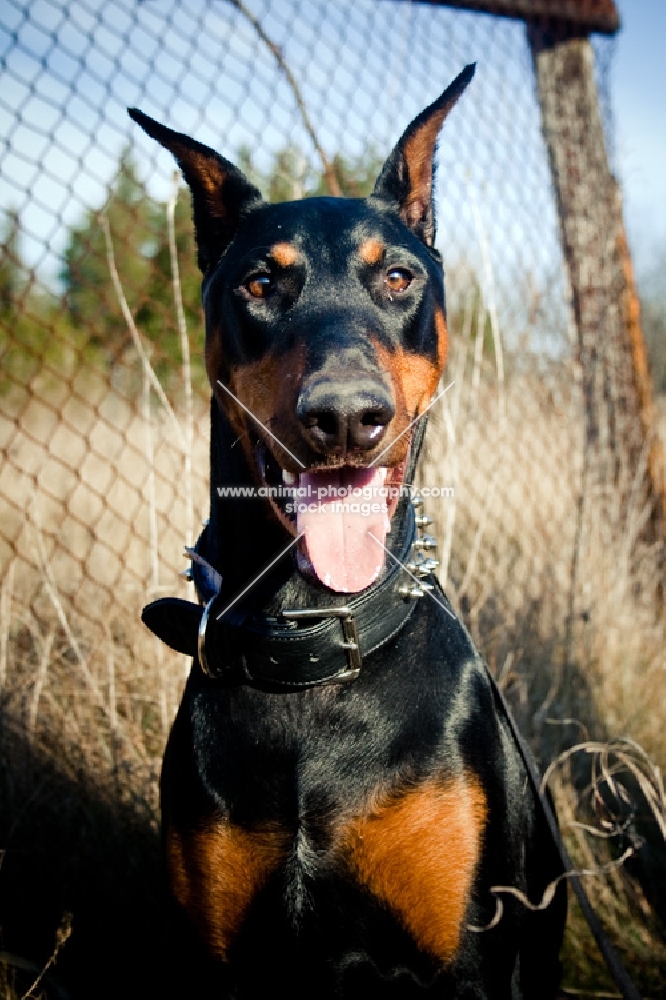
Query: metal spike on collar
pixel 187 573
pixel 211 576
pixel 422 566
pixel 426 543
pixel 423 521
pixel 419 566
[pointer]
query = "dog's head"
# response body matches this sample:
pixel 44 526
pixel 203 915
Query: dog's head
pixel 325 337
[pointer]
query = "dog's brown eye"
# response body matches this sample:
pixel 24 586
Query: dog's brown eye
pixel 397 280
pixel 259 286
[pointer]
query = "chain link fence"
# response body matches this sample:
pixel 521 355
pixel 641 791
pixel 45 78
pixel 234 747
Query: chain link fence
pixel 97 500
pixel 103 400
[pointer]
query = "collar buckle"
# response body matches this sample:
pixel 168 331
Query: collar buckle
pixel 349 634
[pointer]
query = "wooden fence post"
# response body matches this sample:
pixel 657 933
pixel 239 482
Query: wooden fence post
pixel 620 421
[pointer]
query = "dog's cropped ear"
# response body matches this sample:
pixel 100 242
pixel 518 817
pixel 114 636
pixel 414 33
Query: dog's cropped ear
pixel 406 180
pixel 220 192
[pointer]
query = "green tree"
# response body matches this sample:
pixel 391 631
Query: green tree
pixel 356 176
pixel 89 294
pixel 138 228
pixel 157 315
pixel 11 272
pixel 31 329
pixel 291 175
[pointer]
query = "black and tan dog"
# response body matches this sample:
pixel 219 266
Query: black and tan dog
pixel 341 789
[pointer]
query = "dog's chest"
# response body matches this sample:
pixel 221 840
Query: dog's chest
pixel 409 855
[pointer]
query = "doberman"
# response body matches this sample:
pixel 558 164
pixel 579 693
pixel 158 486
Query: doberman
pixel 341 790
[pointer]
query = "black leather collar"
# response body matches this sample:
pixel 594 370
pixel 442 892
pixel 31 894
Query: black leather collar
pixel 277 653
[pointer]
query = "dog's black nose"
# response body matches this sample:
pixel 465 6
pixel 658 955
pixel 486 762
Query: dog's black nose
pixel 339 416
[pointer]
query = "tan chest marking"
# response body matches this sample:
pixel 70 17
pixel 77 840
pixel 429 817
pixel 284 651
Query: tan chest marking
pixel 418 853
pixel 215 873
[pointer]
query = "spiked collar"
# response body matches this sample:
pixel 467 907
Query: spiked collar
pixel 298 648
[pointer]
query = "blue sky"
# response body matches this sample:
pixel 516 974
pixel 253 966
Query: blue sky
pixel 638 92
pixel 639 100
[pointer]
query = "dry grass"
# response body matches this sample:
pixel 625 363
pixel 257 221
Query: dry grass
pixel 555 586
pixel 87 695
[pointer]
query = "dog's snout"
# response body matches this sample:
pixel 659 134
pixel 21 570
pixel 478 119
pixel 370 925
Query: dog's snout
pixel 339 416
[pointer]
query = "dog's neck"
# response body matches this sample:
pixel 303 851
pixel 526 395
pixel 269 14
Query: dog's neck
pixel 242 539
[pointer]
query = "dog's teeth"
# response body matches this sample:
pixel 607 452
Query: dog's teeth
pixel 289 478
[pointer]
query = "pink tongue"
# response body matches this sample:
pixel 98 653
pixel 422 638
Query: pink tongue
pixel 342 532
